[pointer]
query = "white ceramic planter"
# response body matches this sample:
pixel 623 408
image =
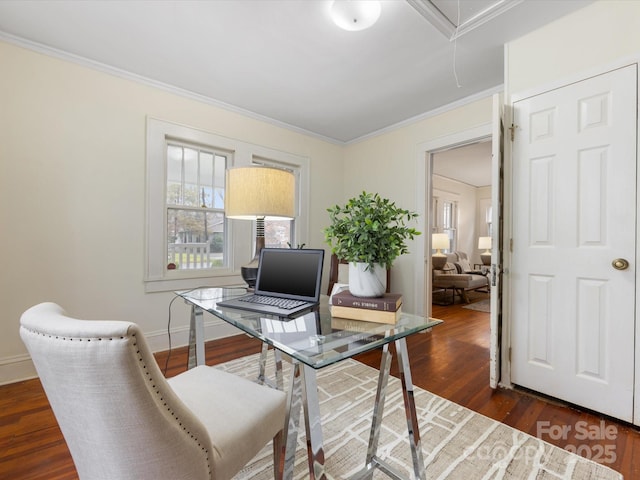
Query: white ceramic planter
pixel 365 282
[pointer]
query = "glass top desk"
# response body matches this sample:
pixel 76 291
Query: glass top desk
pixel 316 340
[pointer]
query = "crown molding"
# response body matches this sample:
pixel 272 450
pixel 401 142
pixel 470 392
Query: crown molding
pixel 431 113
pixel 124 74
pixel 117 72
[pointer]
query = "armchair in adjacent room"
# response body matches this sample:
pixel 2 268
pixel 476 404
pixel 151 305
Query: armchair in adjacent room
pixel 122 419
pixel 458 276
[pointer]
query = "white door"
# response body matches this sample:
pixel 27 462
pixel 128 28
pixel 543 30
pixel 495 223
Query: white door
pixel 574 213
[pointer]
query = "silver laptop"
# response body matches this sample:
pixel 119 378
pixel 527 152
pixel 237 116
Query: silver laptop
pixel 288 283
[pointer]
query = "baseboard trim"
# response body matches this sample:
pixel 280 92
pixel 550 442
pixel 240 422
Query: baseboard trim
pixel 159 341
pixel 16 369
pixel 20 367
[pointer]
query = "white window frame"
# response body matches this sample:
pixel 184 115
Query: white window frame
pixel 238 233
pixel 440 199
pixel 451 227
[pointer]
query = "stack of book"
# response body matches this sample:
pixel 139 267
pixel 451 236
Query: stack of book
pixel 385 309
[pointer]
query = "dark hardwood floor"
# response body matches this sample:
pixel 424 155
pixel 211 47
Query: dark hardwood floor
pixel 451 361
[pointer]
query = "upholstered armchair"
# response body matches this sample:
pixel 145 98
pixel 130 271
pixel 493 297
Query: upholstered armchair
pixel 458 276
pixel 122 419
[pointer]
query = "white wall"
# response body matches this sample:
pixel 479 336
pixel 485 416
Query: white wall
pixel 390 165
pixel 591 37
pixel 72 191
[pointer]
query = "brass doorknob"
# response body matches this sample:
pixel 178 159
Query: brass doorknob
pixel 620 264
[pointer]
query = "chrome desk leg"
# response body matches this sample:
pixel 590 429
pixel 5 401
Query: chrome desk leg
pixel 292 422
pixel 378 407
pixel 262 374
pixel 410 409
pixel 277 355
pixel 196 338
pixel 313 424
pixel 372 461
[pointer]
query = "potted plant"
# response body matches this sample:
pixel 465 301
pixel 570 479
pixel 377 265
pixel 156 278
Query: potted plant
pixel 369 232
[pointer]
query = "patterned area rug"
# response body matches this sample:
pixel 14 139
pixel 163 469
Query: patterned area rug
pixel 457 443
pixel 480 306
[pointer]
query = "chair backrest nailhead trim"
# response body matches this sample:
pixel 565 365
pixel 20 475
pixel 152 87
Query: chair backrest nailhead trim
pixel 157 392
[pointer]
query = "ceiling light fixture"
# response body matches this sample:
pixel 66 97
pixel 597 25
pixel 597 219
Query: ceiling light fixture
pixel 354 15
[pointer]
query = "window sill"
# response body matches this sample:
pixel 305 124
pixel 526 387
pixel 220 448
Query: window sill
pixel 205 280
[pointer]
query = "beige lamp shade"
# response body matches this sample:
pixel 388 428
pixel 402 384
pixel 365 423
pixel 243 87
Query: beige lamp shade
pixel 259 192
pixel 484 243
pixel 440 241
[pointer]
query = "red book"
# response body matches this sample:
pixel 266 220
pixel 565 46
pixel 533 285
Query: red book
pixel 389 302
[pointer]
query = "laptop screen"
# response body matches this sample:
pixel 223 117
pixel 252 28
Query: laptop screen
pixel 290 273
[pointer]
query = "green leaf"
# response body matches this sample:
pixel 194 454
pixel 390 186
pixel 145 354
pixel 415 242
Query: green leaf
pixel 369 229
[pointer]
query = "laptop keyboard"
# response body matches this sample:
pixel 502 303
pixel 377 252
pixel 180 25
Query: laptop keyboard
pixel 284 303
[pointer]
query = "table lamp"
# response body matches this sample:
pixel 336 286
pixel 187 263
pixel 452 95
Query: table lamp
pixel 439 242
pixel 484 243
pixel 258 193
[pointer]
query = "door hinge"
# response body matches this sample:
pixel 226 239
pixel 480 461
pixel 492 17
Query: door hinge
pixel 512 130
pixel 509 354
pixel 511 245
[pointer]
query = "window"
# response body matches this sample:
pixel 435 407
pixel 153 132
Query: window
pixel 450 223
pixel 189 242
pixel 195 206
pixel 488 215
pixel 445 215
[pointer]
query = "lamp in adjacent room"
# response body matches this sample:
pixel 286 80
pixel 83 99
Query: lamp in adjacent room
pixel 439 242
pixel 258 193
pixel 484 243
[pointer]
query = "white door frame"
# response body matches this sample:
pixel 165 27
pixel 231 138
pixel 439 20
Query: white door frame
pixel 424 189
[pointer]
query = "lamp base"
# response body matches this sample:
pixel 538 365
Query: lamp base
pixel 486 258
pixel 249 271
pixel 438 261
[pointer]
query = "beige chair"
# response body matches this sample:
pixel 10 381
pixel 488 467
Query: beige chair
pixel 123 420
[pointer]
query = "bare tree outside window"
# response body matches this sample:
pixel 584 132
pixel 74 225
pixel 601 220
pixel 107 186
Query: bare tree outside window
pixel 195 207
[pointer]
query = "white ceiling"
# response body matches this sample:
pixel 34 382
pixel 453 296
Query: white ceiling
pixel 284 60
pixel 469 164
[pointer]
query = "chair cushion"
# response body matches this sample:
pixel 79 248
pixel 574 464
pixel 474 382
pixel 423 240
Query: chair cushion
pixel 229 409
pixel 477 281
pixel 463 280
pixel 464 265
pixel 449 269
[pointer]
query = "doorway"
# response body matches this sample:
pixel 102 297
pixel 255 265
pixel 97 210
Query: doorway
pixel 461 213
pixel 461 195
pixel 425 188
pixel 424 282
